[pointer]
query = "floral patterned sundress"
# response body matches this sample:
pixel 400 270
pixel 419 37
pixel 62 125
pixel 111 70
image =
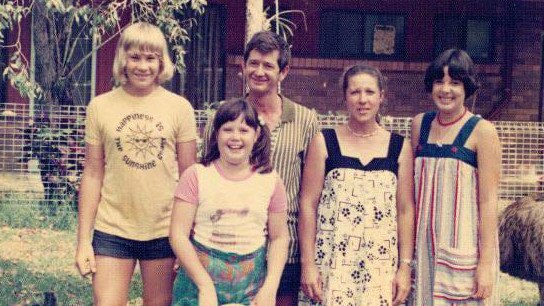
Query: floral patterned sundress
pixel 356 240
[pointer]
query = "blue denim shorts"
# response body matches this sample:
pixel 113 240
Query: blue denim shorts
pixel 119 247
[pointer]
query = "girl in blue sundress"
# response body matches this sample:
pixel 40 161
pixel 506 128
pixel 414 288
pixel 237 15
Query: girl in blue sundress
pixel 457 167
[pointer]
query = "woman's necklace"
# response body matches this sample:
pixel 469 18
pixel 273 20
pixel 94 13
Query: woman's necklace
pixel 362 135
pixel 442 123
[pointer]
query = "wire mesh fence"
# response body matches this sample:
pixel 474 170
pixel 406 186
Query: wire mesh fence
pixel 42 153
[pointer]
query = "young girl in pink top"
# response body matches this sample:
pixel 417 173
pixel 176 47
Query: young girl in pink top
pixel 228 227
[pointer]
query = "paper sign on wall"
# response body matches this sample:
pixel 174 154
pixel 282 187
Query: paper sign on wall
pixel 384 39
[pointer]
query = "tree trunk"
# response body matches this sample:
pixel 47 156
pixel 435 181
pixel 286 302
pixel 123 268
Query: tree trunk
pixel 51 37
pixel 45 70
pixel 255 17
pixel 50 40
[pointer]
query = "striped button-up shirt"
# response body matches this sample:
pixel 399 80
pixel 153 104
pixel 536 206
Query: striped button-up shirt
pixel 290 141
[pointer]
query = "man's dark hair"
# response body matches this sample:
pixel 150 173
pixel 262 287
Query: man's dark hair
pixel 266 42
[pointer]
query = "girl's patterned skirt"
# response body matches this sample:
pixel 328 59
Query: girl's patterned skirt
pixel 237 278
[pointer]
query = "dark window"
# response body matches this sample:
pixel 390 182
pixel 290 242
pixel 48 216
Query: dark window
pixel 541 112
pixel 361 35
pixel 203 79
pixel 471 34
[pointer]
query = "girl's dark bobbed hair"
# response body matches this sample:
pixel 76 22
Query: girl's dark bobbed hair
pixel 460 67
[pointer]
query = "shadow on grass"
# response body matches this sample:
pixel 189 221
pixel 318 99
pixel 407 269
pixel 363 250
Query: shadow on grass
pixel 21 286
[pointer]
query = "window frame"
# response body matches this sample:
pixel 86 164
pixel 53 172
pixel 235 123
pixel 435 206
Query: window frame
pixel 400 43
pixel 189 82
pixel 464 36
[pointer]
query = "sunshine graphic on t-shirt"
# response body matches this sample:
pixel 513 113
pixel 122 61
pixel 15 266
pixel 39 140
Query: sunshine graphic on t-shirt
pixel 140 141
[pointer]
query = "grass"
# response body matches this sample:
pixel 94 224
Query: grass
pixel 19 211
pixel 23 286
pixel 36 261
pixel 517 292
pixel 37 256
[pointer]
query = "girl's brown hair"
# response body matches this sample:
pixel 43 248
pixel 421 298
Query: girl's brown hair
pixel 230 111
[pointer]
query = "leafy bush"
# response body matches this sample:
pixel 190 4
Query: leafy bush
pixel 59 151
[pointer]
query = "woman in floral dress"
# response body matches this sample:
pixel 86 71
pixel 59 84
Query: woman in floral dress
pixel 356 207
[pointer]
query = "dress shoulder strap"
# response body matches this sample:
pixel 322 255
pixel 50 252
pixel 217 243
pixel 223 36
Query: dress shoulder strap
pixel 395 146
pixel 466 130
pixel 331 140
pixel 426 127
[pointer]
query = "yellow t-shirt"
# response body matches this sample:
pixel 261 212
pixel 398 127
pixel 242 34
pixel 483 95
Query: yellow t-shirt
pixel 139 136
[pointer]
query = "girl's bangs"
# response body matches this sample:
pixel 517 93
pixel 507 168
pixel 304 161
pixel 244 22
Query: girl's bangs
pixel 457 72
pixel 145 43
pixel 233 111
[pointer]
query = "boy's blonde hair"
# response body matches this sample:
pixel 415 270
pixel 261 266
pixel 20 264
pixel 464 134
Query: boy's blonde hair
pixel 145 37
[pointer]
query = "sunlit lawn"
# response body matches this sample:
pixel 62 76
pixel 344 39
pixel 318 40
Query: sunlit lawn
pixel 35 261
pixel 37 257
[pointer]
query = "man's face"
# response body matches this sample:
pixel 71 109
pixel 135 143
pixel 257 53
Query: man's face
pixel 262 72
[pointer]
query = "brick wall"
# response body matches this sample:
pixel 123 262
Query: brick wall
pixel 316 84
pixel 526 71
pixel 518 35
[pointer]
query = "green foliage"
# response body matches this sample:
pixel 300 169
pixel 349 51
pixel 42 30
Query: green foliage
pixel 60 153
pixel 11 15
pixel 69 20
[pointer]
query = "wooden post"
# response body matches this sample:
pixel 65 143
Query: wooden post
pixel 255 17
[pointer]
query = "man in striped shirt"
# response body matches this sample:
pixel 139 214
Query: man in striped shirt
pixel 292 126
